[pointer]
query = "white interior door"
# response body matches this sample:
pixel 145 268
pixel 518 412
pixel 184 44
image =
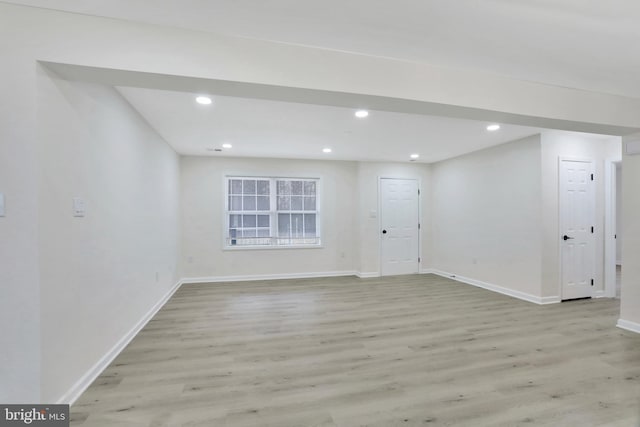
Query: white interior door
pixel 399 226
pixel 577 213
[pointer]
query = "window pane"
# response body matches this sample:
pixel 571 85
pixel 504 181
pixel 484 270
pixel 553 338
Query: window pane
pixel 236 203
pixel 310 225
pixel 309 203
pixel 310 188
pixel 263 220
pixel 252 219
pixel 284 187
pixel 263 187
pixel 248 221
pixel 296 203
pixel 296 225
pixel 234 221
pixel 296 188
pixel 284 203
pixel 284 225
pixel 249 203
pixel 236 186
pixel 263 203
pixel 248 186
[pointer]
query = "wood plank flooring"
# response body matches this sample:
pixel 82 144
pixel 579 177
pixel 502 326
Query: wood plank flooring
pixel 397 351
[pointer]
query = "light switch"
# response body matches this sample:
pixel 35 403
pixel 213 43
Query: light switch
pixel 1 204
pixel 79 207
pixel 373 214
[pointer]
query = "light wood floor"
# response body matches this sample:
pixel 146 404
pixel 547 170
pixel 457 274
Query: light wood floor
pixel 400 351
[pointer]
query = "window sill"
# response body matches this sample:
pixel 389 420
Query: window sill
pixel 269 248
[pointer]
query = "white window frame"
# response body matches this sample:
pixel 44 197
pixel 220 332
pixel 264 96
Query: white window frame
pixel 273 213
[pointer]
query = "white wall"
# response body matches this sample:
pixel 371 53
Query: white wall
pixel 20 290
pixel 368 227
pixel 619 225
pixel 630 293
pixel 351 236
pixel 202 203
pixel 557 144
pixel 98 273
pixel 486 216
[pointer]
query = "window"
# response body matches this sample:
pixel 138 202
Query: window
pixel 272 212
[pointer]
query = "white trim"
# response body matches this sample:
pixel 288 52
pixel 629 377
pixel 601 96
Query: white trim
pixel 549 300
pixel 367 275
pixel 495 288
pixel 629 325
pixel 272 212
pixel 600 294
pixel 90 376
pixel 270 247
pixel 252 277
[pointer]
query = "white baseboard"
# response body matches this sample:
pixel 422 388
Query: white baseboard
pixel 495 288
pixel 85 381
pixel 629 326
pixel 367 275
pixel 247 278
pixel 549 300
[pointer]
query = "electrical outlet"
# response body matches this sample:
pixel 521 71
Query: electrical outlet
pixel 79 207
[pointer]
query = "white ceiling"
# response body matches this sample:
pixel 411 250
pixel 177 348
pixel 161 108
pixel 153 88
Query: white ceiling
pixel 586 44
pixel 263 128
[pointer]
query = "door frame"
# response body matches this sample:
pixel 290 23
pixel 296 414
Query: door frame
pixel 610 226
pixel 561 217
pixel 379 225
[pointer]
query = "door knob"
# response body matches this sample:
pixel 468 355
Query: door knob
pixel 565 237
pixel 384 231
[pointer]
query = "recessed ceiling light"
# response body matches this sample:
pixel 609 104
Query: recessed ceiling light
pixel 203 100
pixel 326 150
pixel 492 128
pixel 226 145
pixel 361 114
pixel 415 156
